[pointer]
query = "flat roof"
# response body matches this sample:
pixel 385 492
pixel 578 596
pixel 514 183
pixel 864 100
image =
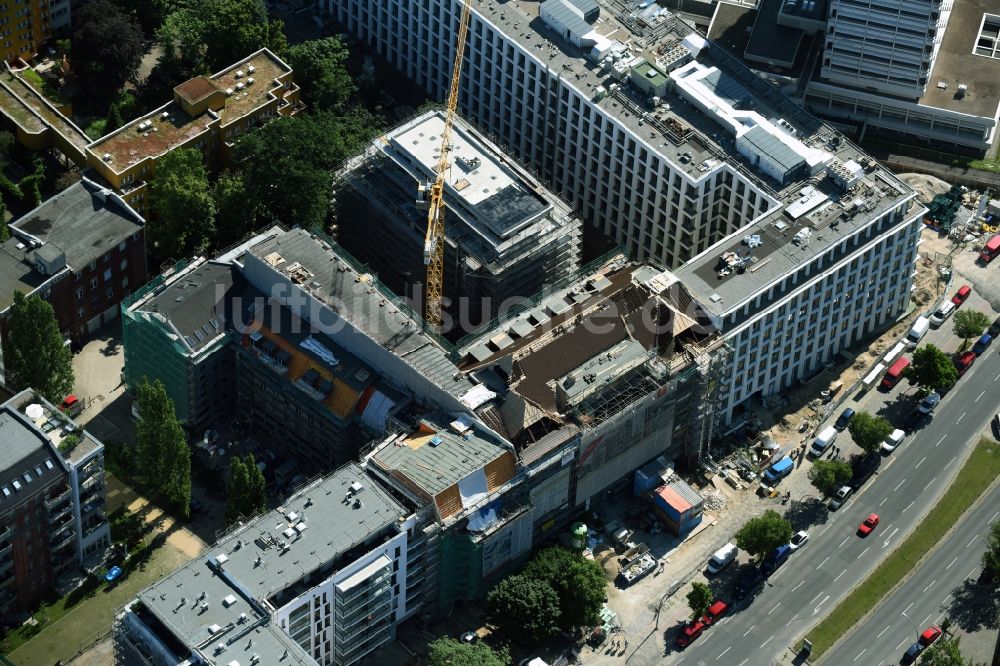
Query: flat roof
pixel 317 525
pixel 127 145
pixel 770 40
pixel 27 463
pixel 956 64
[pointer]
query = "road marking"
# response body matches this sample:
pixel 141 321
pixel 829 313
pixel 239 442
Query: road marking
pixel 927 618
pixel 899 485
pixel 951 563
pixel 945 600
pixel 724 653
pixel 742 662
pixel 996 378
pixel 887 627
pixel 774 609
pixel 839 575
pixel 816 610
pixel 724 620
pixel 861 653
pixel 900 643
pixel 980 396
pixel 930 584
pixel 801 582
pixel 930 482
pixel 925 457
pixel 795 617
pixel 889 536
pixel 883 501
pixel 863 552
pixel 766 642
pixel 908 506
pixel 950 462
pixel 905 610
pixel 815 598
pixel 994 516
pixel 961 417
pixel 970 574
pixel 752 627
pixel 943 437
pixel 843 542
pixel 970 542
pixel 821 564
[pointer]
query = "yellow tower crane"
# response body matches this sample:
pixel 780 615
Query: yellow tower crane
pixel 434 240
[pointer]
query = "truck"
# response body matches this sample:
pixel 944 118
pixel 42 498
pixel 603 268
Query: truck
pixel 637 568
pixel 990 250
pixel 779 470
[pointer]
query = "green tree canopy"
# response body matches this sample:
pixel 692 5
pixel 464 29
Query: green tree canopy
pixel 320 71
pixel 699 599
pixel 579 582
pixel 761 535
pixel 150 13
pixel 869 431
pixel 931 369
pixel 162 454
pixel 236 490
pixel 970 324
pixel 449 652
pixel 121 110
pixel 107 45
pixel 945 652
pixel 287 165
pixel 525 606
pixel 183 207
pixel 34 354
pixel 991 558
pixel 234 212
pixel 828 475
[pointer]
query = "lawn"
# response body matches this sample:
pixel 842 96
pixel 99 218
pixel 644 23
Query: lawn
pixel 979 471
pixel 989 164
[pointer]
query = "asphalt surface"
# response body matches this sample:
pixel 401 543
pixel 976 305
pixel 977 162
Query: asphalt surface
pixel 945 584
pixel 814 579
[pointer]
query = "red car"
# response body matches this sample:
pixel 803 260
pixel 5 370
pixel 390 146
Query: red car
pixel 962 294
pixel 868 524
pixel 690 632
pixel 965 362
pixel 931 634
pixel 714 612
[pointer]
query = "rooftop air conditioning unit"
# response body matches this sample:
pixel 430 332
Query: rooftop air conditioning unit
pixel 249 80
pixel 251 69
pixel 239 73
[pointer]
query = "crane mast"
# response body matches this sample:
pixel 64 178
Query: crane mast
pixel 434 239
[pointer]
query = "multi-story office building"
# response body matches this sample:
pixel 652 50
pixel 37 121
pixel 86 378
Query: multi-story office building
pixel 323 579
pixel 52 515
pixel 207 112
pixel 83 251
pixel 507 236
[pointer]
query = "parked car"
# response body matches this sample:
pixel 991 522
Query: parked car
pixel 844 419
pixel 778 557
pixel 912 653
pixel 868 525
pixel 943 311
pixel 689 633
pixel 893 441
pixel 114 573
pixel 840 497
pixel 994 328
pixel 928 404
pixel 799 539
pixel 930 634
pixel 982 344
pixel 714 612
pixel 961 295
pixel 747 583
pixel 965 361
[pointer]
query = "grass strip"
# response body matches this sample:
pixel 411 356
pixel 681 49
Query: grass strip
pixel 979 471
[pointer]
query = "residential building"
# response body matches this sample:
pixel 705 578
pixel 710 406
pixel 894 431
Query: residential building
pixel 207 112
pixel 52 512
pixel 323 579
pixel 506 235
pixel 82 250
pixel 24 26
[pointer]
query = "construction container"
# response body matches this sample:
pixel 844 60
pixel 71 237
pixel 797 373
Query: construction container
pixel 578 536
pixel 650 476
pixel 678 506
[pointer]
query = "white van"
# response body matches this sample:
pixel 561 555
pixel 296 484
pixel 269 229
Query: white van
pixel 943 311
pixel 917 331
pixel 722 558
pixel 824 440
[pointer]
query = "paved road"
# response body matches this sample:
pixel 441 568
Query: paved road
pixel 945 578
pixel 814 580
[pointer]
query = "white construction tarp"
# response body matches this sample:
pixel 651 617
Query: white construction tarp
pixel 377 411
pixel 473 488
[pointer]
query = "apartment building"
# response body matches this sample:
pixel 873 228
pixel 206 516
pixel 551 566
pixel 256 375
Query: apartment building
pixel 26 24
pixel 52 512
pixel 323 579
pixel 82 250
pixel 207 112
pixel 506 235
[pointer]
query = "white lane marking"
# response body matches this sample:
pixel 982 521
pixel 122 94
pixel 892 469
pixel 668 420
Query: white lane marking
pixel 766 642
pixel 945 600
pixel 883 501
pixel 908 506
pixel 821 564
pixel 839 575
pixel 794 618
pixel 970 542
pixel 900 643
pixel 743 662
pixel 994 516
pixel 950 564
pixel 724 620
pixel 905 610
pixel 980 396
pixel 887 627
pixel 996 378
pixel 811 601
pixel 971 573
pixel 889 536
pixel 961 417
pixel 774 609
pixel 926 618
pixel 929 585
pixel 924 458
pixel 950 462
pixel 943 437
pixel 899 485
pixel 843 542
pixel 930 482
pixel 816 610
pixel 752 627
pixel 801 582
pixel 724 653
pixel 861 653
pixel 848 506
pixel 863 552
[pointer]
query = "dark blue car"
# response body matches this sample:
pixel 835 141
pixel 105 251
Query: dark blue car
pixel 982 343
pixel 114 573
pixel 775 559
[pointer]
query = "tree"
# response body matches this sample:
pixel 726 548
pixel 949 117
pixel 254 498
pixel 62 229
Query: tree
pixel 236 490
pixel 828 475
pixel 107 45
pixel 183 207
pixel 931 369
pixel 162 454
pixel 970 324
pixel 449 652
pixel 287 165
pixel 34 354
pixel 234 216
pixel 525 606
pixel 579 582
pixel 121 109
pixel 150 13
pixel 869 431
pixel 761 535
pixel 321 72
pixel 945 652
pixel 699 599
pixel 991 558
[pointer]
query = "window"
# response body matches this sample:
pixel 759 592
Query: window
pixel 92 266
pixel 124 282
pixel 93 283
pixel 121 246
pixel 107 274
pixel 109 293
pixel 122 266
pixel 80 313
pixel 78 293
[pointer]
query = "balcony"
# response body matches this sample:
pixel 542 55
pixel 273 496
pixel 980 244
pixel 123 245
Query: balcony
pixel 6 570
pixel 65 541
pixel 56 513
pixel 52 501
pixel 5 554
pixel 7 534
pixel 91 483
